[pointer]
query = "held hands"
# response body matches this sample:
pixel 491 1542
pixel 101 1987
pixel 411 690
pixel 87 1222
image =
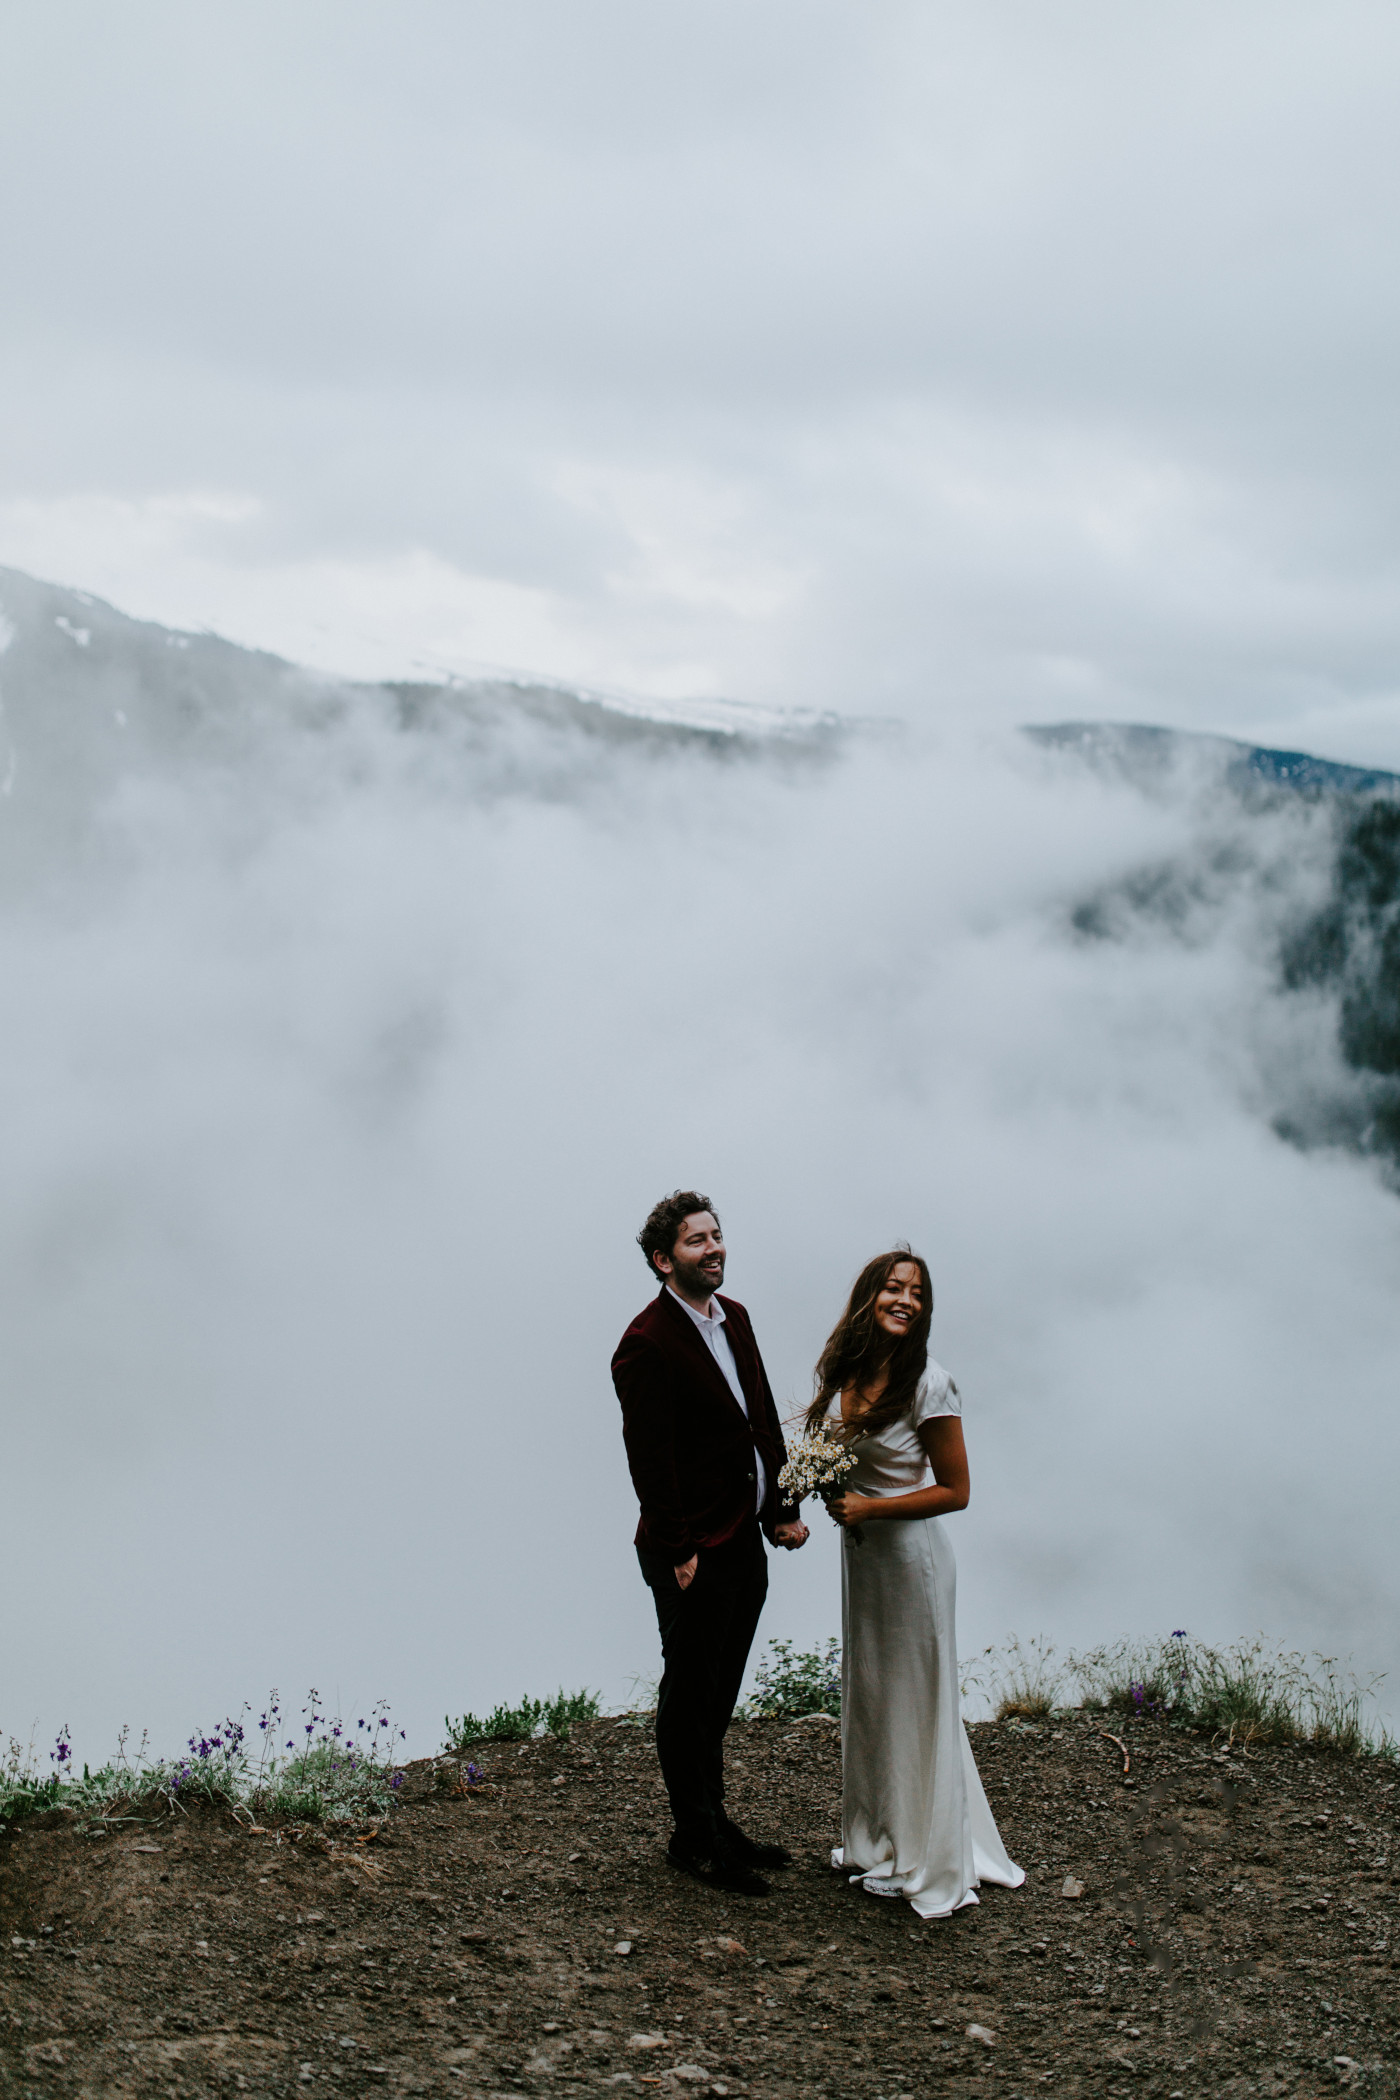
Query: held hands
pixel 790 1535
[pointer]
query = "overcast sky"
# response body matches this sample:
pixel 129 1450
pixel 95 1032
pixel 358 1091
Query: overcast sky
pixel 976 364
pixel 1014 361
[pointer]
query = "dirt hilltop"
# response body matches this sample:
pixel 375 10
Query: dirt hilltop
pixel 1235 1935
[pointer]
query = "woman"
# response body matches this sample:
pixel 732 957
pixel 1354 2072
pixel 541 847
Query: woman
pixel 915 1820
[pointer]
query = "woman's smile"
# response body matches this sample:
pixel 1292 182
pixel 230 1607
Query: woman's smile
pixel 900 1301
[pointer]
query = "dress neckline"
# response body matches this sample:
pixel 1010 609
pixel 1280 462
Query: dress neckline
pixel 852 1421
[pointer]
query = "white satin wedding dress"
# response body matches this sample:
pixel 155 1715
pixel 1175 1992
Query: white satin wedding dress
pixel 915 1820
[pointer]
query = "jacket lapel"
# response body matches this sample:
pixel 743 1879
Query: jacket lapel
pixel 690 1339
pixel 750 1368
pixel 744 1363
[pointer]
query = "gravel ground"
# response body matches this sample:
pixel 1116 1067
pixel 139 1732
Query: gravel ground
pixel 1235 1934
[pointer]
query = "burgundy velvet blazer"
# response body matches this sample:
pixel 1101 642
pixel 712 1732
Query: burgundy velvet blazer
pixel 689 1448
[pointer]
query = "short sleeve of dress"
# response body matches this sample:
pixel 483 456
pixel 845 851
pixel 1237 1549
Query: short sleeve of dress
pixel 937 1395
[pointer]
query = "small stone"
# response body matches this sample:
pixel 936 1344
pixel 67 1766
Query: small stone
pixel 689 2074
pixel 550 2027
pixel 573 1856
pixel 1071 1887
pixel 646 2041
pixel 731 1946
pixel 623 1947
pixel 984 2035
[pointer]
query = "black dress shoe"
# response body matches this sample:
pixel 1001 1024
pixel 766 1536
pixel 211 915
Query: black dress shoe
pixel 721 1869
pixel 750 1852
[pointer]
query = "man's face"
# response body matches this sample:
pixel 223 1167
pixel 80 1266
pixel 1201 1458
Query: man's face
pixel 696 1266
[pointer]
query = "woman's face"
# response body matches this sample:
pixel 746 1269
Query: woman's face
pixel 901 1300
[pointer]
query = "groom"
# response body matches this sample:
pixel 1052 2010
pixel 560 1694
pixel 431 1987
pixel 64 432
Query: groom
pixel 704 1447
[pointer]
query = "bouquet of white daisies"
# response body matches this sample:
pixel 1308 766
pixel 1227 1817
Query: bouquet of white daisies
pixel 818 1463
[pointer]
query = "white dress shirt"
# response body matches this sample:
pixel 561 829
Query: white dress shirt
pixel 711 1325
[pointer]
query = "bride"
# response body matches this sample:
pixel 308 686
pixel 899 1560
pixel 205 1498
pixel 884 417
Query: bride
pixel 915 1820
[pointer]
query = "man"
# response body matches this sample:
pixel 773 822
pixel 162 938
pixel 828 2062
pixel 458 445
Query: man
pixel 705 1448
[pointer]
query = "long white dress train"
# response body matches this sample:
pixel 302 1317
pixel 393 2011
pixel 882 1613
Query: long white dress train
pixel 915 1819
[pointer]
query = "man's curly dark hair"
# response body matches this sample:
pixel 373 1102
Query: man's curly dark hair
pixel 659 1234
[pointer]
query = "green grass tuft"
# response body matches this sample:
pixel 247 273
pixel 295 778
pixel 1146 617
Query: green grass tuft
pixel 516 1724
pixel 1023 1679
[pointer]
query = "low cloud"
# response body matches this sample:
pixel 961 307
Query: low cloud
pixel 350 1072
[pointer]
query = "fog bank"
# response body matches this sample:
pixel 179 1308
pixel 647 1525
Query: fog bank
pixel 345 1054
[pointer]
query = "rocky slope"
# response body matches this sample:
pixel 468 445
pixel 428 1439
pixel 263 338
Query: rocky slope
pixel 1235 1934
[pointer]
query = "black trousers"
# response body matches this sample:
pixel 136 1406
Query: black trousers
pixel 706 1633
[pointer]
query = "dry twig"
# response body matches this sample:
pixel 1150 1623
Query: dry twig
pixel 1118 1744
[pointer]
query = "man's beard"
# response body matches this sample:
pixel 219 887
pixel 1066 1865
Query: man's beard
pixel 690 1279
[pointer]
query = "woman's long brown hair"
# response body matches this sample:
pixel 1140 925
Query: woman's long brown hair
pixel 857 1348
